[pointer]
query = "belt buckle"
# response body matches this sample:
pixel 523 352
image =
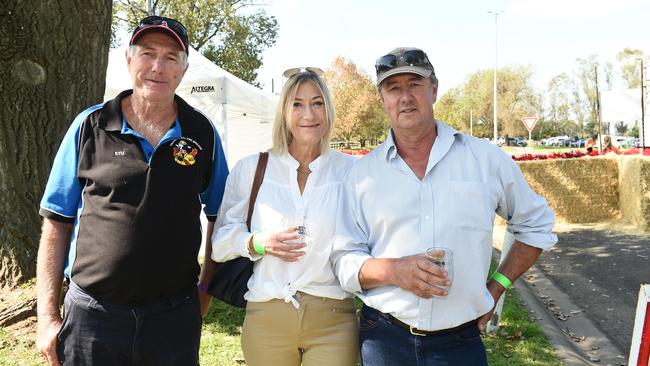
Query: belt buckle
pixel 417 332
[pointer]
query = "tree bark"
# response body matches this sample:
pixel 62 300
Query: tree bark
pixel 52 66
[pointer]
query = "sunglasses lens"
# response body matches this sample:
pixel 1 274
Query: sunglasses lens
pixel 385 63
pixel 315 70
pixel 290 72
pixel 415 57
pixel 296 70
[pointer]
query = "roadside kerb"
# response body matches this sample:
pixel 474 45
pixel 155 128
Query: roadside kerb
pixel 576 338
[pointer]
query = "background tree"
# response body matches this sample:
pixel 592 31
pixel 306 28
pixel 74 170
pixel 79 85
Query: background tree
pixel 450 109
pixel 621 127
pixel 359 115
pixel 53 66
pixel 585 95
pixel 561 117
pixel 515 95
pixel 231 33
pixel 630 66
pixel 608 73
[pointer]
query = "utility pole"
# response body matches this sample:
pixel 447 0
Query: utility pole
pixel 643 86
pixel 471 124
pixel 598 116
pixel 496 58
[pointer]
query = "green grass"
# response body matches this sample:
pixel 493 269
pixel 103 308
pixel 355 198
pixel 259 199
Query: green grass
pixel 538 149
pixel 519 340
pixel 220 336
pixel 17 348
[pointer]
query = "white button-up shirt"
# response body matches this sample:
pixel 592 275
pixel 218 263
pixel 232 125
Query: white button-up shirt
pixel 279 197
pixel 385 211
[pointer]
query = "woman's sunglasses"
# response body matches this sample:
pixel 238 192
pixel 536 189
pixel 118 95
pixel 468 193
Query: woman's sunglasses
pixel 297 70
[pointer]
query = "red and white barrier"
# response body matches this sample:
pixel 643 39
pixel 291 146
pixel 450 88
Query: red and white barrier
pixel 640 350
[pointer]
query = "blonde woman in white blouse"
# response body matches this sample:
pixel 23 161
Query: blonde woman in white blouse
pixel 297 312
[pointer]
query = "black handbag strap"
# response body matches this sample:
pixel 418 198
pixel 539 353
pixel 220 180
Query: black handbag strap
pixel 257 183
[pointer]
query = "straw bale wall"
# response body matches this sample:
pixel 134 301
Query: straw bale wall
pixel 634 190
pixel 582 190
pixel 594 189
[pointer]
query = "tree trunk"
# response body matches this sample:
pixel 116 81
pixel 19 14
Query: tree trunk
pixel 52 66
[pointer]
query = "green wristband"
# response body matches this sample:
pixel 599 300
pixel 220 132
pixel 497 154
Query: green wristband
pixel 502 280
pixel 257 245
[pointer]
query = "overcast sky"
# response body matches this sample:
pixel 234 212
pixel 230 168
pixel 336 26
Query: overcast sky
pixel 458 36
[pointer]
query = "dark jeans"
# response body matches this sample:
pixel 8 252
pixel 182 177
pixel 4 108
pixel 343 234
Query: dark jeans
pixel 386 344
pixel 95 333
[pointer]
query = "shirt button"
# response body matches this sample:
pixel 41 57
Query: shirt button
pixel 426 217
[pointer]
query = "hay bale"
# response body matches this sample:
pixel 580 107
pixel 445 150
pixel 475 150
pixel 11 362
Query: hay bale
pixel 582 190
pixel 634 190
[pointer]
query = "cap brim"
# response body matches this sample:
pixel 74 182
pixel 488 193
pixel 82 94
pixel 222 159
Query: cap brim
pixel 425 73
pixel 158 28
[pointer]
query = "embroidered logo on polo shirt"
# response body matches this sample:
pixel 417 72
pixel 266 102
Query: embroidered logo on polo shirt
pixel 185 151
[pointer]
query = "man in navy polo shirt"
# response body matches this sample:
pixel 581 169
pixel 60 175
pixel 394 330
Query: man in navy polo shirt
pixel 121 218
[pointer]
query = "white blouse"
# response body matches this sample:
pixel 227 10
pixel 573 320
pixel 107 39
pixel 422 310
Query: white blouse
pixel 279 204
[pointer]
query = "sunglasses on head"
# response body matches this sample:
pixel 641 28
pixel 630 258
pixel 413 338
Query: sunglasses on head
pixel 297 70
pixel 407 58
pixel 172 24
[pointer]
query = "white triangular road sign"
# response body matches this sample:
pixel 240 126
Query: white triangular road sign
pixel 529 122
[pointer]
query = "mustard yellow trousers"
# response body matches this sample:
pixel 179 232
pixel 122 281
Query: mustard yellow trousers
pixel 322 332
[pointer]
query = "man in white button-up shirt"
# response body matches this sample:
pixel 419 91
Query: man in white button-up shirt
pixel 429 185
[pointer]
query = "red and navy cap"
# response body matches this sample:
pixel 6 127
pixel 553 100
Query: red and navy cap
pixel 172 27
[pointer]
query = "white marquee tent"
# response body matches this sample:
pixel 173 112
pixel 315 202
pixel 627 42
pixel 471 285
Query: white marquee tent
pixel 242 113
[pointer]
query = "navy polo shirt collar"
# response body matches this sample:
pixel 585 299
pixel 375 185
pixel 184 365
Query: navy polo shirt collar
pixel 111 117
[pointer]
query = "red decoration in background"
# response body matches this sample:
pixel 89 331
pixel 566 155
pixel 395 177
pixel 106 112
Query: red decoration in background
pixel 556 155
pixel 574 154
pixel 355 152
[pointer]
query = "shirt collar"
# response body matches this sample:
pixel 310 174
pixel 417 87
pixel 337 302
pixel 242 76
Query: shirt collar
pixel 288 160
pixel 111 117
pixel 174 132
pixel 390 150
pixel 445 136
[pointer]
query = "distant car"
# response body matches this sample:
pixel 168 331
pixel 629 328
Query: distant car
pixel 623 142
pixel 577 142
pixel 516 141
pixel 560 141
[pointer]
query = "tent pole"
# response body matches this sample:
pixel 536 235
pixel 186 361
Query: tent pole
pixel 225 141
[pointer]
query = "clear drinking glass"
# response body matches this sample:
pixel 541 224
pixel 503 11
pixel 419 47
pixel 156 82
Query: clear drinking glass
pixel 298 222
pixel 442 257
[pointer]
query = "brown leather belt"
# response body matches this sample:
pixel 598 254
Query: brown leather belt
pixel 419 332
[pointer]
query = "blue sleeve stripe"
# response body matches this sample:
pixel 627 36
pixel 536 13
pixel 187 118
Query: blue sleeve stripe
pixel 63 189
pixel 213 194
pixel 56 210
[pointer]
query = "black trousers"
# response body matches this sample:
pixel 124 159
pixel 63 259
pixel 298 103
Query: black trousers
pixel 166 332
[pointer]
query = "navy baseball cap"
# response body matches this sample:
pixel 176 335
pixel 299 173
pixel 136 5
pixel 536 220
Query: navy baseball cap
pixel 172 27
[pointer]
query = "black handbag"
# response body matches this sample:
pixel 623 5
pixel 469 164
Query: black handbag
pixel 230 280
